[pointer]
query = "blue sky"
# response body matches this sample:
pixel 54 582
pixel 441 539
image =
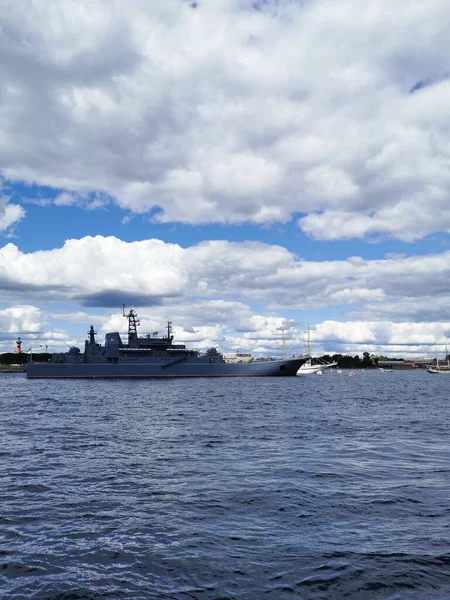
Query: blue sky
pixel 47 227
pixel 229 168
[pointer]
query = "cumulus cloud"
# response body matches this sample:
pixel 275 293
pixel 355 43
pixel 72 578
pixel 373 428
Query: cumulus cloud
pixel 234 111
pixel 406 339
pixel 21 319
pixel 234 294
pixel 106 271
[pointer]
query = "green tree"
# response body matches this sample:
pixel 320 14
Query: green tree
pixel 367 361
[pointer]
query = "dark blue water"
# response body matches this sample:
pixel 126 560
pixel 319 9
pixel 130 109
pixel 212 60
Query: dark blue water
pixel 313 487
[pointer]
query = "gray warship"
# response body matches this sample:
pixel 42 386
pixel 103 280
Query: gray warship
pixel 151 356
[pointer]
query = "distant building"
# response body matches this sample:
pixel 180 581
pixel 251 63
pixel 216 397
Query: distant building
pixel 390 363
pixel 419 363
pixel 234 357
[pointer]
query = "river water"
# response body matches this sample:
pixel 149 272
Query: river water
pixel 309 487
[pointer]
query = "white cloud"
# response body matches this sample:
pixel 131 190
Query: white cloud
pixel 21 319
pixel 87 201
pixel 225 113
pixel 213 323
pixel 381 337
pixel 65 199
pixel 10 214
pixel 106 271
pixel 231 294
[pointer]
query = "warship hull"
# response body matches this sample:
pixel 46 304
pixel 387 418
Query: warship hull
pixel 269 368
pixel 151 356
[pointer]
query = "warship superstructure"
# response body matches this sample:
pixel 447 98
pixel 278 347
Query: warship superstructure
pixel 152 356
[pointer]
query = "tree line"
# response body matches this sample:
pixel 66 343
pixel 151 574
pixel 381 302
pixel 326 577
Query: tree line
pixel 344 361
pixel 11 358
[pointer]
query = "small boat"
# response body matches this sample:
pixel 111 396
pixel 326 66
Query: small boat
pixel 351 374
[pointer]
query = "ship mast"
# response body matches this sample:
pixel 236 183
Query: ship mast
pixel 284 342
pixel 92 334
pixel 309 340
pixel 133 323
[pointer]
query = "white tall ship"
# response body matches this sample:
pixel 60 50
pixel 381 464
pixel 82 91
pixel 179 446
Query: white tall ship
pixel 308 368
pixel 438 368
